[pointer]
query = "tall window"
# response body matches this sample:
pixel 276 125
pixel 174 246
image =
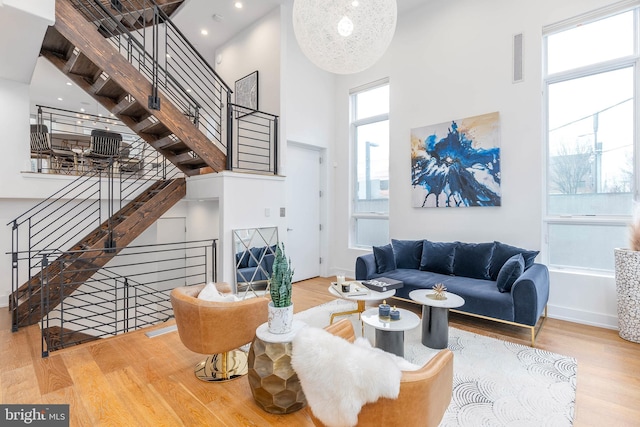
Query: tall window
pixel 590 80
pixel 370 141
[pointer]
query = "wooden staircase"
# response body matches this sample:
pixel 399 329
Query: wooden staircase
pixel 78 48
pixel 72 269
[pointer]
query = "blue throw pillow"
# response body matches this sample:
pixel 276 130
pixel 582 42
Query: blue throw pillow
pixel 437 257
pixel 509 273
pixel 385 260
pixel 473 260
pixel 256 255
pixel 242 259
pixel 407 253
pixel 502 252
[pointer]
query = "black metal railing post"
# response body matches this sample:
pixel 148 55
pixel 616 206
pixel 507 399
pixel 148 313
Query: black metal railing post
pixel 230 145
pixel 15 275
pixel 109 244
pixel 154 99
pixel 44 306
pixel 126 304
pixel 214 260
pixel 276 144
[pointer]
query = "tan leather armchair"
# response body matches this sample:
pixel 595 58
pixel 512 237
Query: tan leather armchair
pixel 424 395
pixel 217 329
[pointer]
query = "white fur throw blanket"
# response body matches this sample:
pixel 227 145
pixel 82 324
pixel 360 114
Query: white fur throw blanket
pixel 338 377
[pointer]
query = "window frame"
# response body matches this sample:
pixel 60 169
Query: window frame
pixel 353 126
pixel 630 61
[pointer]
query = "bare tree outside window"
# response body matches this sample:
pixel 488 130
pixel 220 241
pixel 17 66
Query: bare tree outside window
pixel 571 169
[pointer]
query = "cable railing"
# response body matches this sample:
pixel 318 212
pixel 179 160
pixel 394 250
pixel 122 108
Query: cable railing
pixel 144 34
pixel 91 199
pixel 255 135
pixel 130 293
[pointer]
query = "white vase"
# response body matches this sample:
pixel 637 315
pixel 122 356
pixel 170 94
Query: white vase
pixel 280 319
pixel 627 270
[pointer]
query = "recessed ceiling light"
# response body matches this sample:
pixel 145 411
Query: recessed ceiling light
pixel 82 110
pixel 59 99
pixel 204 32
pixel 188 90
pixel 238 5
pixel 69 84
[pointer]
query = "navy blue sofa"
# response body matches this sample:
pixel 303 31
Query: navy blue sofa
pixel 497 281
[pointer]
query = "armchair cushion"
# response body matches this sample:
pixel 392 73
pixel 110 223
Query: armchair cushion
pixel 385 258
pixel 211 293
pixel 338 377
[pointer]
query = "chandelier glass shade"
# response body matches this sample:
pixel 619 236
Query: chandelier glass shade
pixel 344 36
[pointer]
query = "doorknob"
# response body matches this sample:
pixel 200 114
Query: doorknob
pixel 289 229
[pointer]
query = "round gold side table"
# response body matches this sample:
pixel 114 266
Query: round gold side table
pixel 274 384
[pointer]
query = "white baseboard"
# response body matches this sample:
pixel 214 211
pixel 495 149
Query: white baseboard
pixel 600 320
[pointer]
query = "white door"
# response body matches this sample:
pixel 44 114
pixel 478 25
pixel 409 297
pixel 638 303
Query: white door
pixel 303 210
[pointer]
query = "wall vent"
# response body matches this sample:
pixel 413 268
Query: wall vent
pixel 518 72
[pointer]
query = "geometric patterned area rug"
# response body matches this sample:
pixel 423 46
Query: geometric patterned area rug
pixel 495 382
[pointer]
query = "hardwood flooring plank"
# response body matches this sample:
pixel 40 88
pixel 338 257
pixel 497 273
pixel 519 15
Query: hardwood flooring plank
pixel 108 358
pixel 19 385
pixel 100 400
pixel 51 374
pixel 78 415
pixel 141 400
pixel 189 409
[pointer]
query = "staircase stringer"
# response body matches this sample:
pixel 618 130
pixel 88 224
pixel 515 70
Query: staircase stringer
pixel 73 27
pixel 82 265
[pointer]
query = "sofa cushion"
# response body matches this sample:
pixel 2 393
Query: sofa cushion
pixel 407 253
pixel 242 259
pixel 256 254
pixel 437 257
pixel 502 252
pixel 509 273
pixel 385 259
pixel 473 260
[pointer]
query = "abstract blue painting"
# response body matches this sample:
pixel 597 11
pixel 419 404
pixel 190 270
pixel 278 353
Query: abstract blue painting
pixel 457 163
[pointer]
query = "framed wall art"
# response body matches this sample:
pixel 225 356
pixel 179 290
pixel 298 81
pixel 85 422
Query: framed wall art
pixel 457 163
pixel 246 91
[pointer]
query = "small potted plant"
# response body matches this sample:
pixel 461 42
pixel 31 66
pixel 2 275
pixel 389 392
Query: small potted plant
pixel 281 308
pixel 627 273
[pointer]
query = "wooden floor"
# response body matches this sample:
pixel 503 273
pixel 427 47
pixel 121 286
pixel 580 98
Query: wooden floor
pixel 133 380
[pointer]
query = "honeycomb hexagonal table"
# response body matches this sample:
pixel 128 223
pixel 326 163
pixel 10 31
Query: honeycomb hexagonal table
pixel 274 384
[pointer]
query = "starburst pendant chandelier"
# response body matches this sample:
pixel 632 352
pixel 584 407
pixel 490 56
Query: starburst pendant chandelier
pixel 344 36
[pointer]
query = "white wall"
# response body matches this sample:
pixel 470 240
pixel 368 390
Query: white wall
pixel 25 21
pixel 245 201
pixel 255 48
pixel 308 115
pixel 451 60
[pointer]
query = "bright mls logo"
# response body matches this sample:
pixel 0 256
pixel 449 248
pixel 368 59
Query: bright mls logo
pixel 34 415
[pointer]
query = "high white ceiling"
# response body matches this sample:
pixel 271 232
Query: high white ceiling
pixel 49 84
